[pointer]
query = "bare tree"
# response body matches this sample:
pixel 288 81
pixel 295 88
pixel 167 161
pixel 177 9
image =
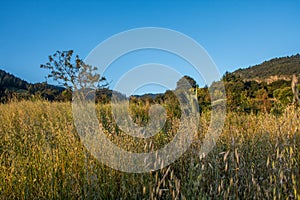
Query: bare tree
pixel 73 73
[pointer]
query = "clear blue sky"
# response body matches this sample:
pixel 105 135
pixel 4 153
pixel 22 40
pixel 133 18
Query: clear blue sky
pixel 235 33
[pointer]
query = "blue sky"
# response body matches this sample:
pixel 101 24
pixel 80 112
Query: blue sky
pixel 234 33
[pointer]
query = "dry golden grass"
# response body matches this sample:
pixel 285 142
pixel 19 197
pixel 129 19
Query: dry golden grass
pixel 256 157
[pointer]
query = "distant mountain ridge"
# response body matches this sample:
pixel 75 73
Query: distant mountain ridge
pixel 272 70
pixel 151 95
pixel 11 82
pixel 11 85
pixel 8 80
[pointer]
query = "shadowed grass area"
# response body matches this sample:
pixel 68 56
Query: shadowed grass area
pixel 256 157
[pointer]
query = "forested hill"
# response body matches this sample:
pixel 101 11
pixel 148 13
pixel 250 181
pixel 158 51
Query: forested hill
pixel 272 70
pixel 14 87
pixel 11 82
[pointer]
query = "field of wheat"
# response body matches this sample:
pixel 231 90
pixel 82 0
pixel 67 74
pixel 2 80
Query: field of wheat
pixel 255 157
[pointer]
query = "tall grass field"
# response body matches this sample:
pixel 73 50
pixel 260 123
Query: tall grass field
pixel 257 156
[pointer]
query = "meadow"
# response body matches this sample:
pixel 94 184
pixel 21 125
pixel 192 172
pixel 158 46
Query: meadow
pixel 256 157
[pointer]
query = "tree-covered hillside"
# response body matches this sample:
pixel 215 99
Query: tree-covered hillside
pixel 12 87
pixel 277 68
pixel 8 80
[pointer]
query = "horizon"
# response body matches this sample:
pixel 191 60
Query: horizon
pixel 142 93
pixel 235 34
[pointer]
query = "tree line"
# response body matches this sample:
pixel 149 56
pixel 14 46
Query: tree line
pixel 242 95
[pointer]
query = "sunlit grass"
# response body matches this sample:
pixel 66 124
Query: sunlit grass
pixel 256 157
